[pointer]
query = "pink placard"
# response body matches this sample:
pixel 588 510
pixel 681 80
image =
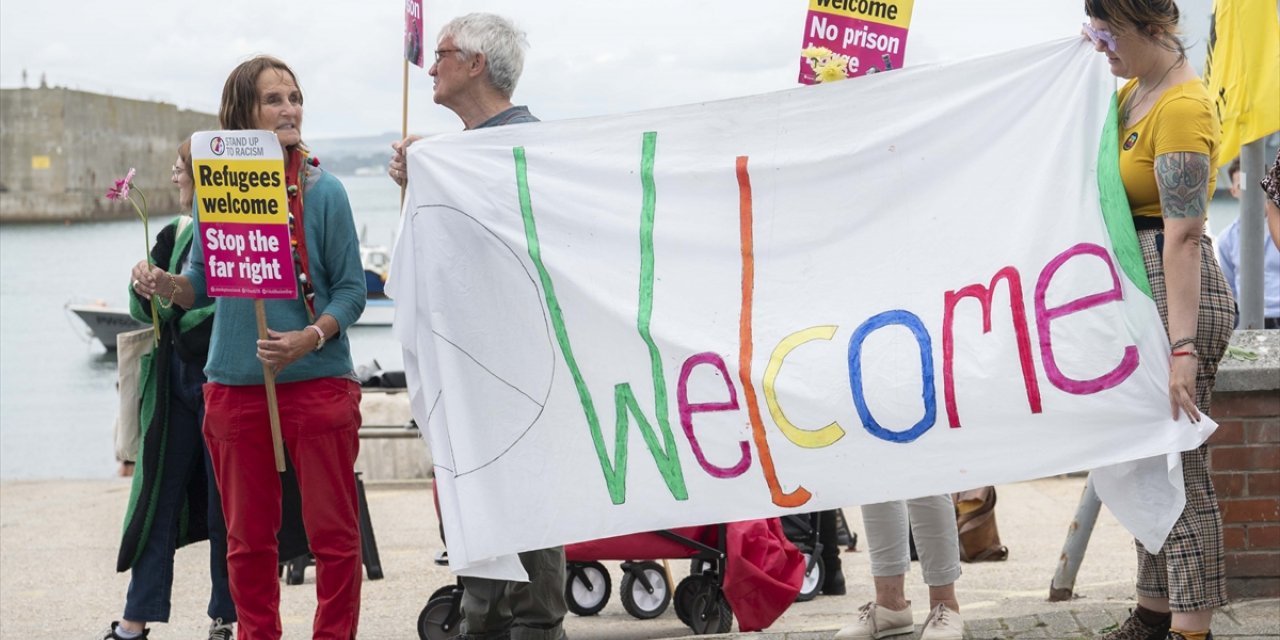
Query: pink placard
pixel 853 47
pixel 248 260
pixel 413 31
pixel 243 214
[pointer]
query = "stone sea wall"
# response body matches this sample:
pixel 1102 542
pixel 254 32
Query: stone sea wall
pixel 60 150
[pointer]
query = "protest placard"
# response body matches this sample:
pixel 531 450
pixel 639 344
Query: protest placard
pixel 850 38
pixel 244 217
pixel 413 51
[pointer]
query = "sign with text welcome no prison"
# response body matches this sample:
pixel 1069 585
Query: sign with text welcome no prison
pixel 243 213
pixel 849 38
pixel 747 308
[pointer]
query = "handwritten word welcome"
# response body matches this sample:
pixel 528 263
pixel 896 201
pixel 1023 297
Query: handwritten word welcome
pixel 661 442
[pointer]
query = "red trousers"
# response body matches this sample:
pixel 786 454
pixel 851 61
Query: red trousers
pixel 319 420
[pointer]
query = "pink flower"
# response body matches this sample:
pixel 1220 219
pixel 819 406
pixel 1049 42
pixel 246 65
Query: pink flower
pixel 121 190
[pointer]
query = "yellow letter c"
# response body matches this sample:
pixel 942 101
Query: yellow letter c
pixel 810 439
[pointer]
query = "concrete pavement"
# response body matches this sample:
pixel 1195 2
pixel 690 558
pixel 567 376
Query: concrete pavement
pixel 58 542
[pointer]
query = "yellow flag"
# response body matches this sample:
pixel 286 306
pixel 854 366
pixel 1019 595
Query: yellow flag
pixel 1243 71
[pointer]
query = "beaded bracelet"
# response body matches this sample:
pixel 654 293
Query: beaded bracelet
pixel 166 303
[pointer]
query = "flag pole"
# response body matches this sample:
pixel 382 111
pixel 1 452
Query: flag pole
pixel 404 122
pixel 1253 226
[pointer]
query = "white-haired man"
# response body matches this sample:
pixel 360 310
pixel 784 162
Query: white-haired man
pixel 478 62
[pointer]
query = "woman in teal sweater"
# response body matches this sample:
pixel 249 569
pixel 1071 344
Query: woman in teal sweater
pixel 307 349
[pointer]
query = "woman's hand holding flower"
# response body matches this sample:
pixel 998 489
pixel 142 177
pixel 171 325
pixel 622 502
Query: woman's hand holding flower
pixel 148 280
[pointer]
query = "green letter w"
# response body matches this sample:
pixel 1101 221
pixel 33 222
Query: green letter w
pixel 665 454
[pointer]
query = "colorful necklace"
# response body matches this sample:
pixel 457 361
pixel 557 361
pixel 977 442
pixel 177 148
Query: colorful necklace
pixel 295 180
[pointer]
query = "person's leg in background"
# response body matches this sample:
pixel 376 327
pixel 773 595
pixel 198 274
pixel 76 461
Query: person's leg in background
pixel 933 523
pixel 890 613
pixel 486 613
pixel 322 438
pixel 188 382
pixel 151 577
pixel 833 583
pixel 538 607
pixel 222 607
pixel 1180 587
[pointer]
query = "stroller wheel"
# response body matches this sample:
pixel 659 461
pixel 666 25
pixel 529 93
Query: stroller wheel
pixel 644 590
pixel 446 591
pixel 710 612
pixel 440 619
pixel 686 591
pixel 586 589
pixel 815 572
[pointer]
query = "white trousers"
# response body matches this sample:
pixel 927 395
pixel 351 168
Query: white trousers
pixel 933 523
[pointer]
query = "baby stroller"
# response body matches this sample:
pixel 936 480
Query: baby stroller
pixel 645 588
pixel 748 563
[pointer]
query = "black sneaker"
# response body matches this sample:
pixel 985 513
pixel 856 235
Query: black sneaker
pixel 219 630
pixel 1134 628
pixel 110 633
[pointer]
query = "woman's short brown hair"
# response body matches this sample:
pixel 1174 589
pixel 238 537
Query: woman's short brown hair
pixel 240 93
pixel 1154 19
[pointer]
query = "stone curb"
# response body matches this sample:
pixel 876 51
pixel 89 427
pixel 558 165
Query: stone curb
pixel 1249 620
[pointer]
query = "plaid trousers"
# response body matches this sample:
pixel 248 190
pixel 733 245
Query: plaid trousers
pixel 1190 570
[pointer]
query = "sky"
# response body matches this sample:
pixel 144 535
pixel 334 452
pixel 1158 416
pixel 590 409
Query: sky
pixel 585 58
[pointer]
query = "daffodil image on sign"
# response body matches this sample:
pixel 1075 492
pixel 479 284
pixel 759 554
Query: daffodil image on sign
pixel 827 65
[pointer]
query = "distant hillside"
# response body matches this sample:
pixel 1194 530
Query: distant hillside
pixel 345 156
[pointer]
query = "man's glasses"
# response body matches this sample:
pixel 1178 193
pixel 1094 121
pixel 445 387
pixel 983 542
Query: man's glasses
pixel 441 52
pixel 1101 36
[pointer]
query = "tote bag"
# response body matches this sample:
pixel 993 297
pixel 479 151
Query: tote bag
pixel 130 347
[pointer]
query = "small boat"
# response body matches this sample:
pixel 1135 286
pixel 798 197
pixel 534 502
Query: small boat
pixel 379 310
pixel 103 322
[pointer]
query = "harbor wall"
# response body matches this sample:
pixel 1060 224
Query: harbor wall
pixel 61 149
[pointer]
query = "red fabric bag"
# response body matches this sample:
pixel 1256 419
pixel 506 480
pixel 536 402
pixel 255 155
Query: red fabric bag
pixel 763 574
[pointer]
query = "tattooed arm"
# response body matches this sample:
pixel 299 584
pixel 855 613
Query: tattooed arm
pixel 1183 179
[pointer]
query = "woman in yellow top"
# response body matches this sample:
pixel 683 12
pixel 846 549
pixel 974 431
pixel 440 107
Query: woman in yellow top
pixel 1168 161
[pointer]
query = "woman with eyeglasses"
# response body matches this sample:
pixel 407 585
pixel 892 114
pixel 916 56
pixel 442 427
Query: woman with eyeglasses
pixel 1168 144
pixel 317 394
pixel 174 499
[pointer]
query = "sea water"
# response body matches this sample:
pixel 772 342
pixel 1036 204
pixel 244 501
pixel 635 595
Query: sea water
pixel 58 397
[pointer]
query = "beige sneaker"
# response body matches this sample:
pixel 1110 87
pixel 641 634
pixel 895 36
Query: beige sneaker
pixel 943 624
pixel 875 622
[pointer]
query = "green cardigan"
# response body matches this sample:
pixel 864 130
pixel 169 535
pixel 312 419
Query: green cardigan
pixel 177 328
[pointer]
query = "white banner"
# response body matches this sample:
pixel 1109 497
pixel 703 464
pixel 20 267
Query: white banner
pixel 893 286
